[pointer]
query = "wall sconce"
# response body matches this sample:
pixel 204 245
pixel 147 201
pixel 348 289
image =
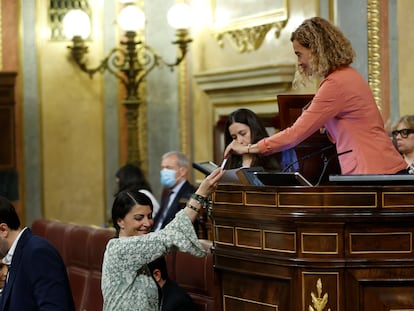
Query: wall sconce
pixel 133 60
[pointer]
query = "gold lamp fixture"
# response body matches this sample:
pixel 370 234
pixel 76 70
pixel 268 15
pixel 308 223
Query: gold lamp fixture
pixel 133 60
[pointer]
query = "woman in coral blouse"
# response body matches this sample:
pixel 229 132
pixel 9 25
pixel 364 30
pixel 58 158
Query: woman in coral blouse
pixel 343 105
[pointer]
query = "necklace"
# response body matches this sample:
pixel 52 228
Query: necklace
pixel 411 168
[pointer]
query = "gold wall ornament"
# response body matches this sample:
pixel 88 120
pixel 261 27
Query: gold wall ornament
pixel 319 302
pixel 247 28
pixel 249 39
pixel 374 49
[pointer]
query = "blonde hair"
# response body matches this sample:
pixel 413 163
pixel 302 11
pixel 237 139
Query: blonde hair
pixel 329 47
pixel 408 120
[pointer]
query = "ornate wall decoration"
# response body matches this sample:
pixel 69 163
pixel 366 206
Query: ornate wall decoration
pixel 247 27
pixel 319 302
pixel 374 49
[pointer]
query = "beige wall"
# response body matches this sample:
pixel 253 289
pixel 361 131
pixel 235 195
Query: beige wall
pixel 71 115
pixel 405 56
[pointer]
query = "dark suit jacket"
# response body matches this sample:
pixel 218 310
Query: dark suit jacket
pixel 37 278
pixel 175 298
pixel 178 204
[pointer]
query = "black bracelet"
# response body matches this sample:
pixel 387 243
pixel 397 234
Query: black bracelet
pixel 199 198
pixel 195 209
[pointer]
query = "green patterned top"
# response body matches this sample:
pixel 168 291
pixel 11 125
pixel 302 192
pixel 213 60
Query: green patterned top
pixel 127 284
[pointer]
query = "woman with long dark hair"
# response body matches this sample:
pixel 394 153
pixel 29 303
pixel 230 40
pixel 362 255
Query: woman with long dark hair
pixel 245 127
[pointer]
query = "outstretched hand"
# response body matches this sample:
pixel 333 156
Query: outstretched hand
pixel 209 184
pixel 229 149
pixel 235 147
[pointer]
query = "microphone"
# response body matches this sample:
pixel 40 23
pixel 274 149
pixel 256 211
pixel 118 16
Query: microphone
pixel 325 165
pixel 307 156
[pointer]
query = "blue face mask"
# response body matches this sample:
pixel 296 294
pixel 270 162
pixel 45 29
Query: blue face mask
pixel 168 177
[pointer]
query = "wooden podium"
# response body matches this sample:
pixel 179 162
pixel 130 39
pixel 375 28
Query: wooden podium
pixel 330 248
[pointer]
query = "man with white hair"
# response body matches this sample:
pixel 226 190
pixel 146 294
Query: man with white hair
pixel 177 189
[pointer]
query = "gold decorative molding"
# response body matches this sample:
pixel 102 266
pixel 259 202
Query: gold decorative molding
pixel 338 199
pixel 397 199
pixel 229 197
pixel 280 237
pixel 184 108
pixel 306 249
pixel 374 49
pixel 250 200
pixel 253 304
pixel 254 240
pixel 319 302
pixel 249 39
pixel 380 242
pixel 247 33
pixel 227 232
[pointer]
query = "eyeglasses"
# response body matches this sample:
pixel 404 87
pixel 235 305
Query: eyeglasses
pixel 404 133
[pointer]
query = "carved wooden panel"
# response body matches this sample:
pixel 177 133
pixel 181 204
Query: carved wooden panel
pixel 390 290
pixel 279 241
pixel 334 199
pixel 7 122
pixel 390 298
pixel 398 199
pixel 238 293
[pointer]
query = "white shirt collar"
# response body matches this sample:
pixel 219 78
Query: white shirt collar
pixel 7 260
pixel 178 187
